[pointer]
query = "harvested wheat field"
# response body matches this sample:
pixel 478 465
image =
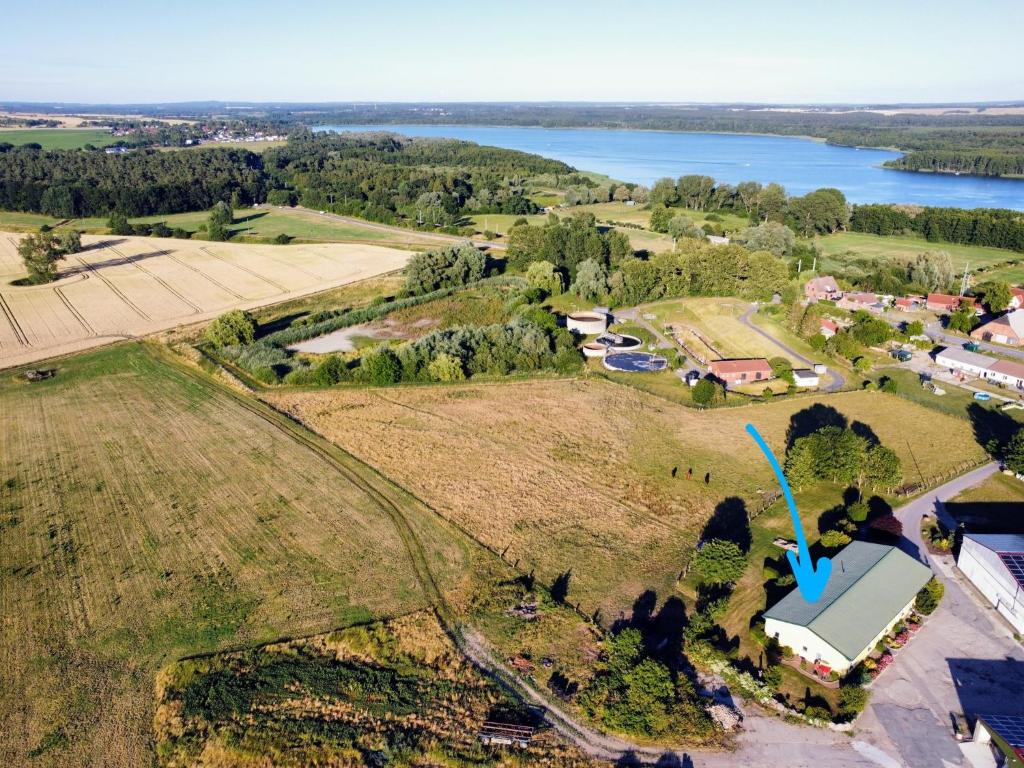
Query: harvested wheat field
pixel 578 475
pixel 147 514
pixel 132 286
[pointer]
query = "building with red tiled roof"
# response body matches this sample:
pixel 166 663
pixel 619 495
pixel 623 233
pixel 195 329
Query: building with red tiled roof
pixel 824 287
pixel 944 302
pixel 829 328
pixel 741 371
pixel 860 300
pixel 1005 329
pixel 909 303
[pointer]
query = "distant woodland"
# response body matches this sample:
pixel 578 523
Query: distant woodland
pixel 381 177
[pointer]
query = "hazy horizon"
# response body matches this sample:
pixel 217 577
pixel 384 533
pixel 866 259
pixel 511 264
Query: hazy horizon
pixel 649 51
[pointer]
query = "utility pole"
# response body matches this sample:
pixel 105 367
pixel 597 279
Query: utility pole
pixel 814 266
pixel 799 265
pixel 963 280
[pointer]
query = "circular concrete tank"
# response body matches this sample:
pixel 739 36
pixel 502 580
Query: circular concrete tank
pixel 587 323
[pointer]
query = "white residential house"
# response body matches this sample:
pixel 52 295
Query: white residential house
pixel 996 370
pixel 871 589
pixel 994 563
pixel 957 359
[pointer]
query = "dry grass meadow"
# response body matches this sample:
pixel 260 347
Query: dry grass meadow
pixel 130 286
pixel 577 475
pixel 148 514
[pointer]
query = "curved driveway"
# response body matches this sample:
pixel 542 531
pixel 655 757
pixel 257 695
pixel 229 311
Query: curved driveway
pixel 838 380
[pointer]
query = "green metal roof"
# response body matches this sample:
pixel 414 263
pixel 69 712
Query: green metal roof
pixel 869 585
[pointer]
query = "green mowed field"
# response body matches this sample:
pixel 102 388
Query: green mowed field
pixel 906 248
pixel 149 514
pixel 58 138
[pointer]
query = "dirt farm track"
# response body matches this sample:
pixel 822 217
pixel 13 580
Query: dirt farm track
pixel 132 286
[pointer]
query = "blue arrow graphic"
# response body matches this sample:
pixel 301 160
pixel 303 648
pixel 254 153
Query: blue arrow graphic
pixel 810 578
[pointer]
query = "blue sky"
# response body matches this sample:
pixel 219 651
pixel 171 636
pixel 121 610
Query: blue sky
pixel 434 50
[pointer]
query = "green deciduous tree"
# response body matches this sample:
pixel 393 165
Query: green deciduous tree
pixel 770 236
pixel 708 392
pixel 834 539
pixel 445 268
pixel 996 295
pixel 719 561
pixel 232 328
pixel 446 367
pixel 932 270
pixel 591 280
pixel 41 252
pixel 382 367
pixel 544 275
pixel 1013 455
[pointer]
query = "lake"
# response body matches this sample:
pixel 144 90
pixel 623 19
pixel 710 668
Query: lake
pixel 800 165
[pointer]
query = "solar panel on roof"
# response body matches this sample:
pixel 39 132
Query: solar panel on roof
pixel 1010 727
pixel 1014 562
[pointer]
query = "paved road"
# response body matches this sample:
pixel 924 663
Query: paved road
pixel 412 233
pixel 964 660
pixel 838 381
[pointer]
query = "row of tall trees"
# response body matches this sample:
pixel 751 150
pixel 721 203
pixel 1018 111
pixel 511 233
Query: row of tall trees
pixel 995 227
pixel 821 211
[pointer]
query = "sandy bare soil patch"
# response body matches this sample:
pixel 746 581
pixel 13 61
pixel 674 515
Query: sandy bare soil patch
pixel 133 286
pixel 578 475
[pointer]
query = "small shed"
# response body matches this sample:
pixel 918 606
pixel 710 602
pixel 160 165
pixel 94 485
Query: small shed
pixel 805 377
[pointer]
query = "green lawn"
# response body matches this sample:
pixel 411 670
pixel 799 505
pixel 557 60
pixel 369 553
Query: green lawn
pixel 906 248
pixel 58 138
pixel 957 401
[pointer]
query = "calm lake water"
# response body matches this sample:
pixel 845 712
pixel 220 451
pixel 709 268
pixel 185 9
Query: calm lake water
pixel 800 165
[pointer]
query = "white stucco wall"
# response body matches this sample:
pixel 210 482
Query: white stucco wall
pixel 808 645
pixel 990 576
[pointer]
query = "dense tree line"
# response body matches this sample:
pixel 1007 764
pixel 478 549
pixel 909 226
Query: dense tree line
pixel 601 265
pixel 995 227
pixel 382 177
pixel 75 183
pixel 976 162
pixel 395 179
pixel 822 211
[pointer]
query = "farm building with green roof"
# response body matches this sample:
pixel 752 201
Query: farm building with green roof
pixel 871 589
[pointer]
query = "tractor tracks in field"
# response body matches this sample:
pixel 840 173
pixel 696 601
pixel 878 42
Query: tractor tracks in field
pixel 470 643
